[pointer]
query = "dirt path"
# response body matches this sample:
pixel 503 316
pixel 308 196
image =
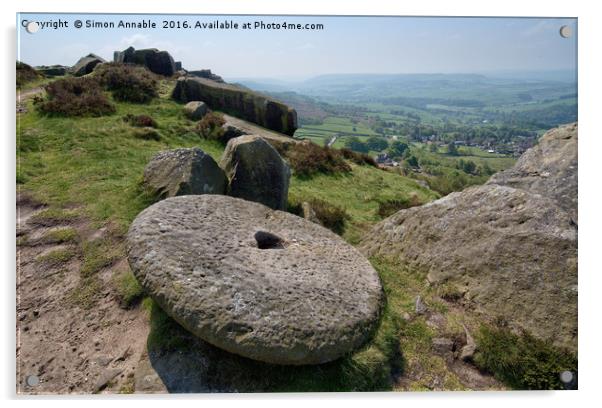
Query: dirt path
pixel 70 349
pixel 24 96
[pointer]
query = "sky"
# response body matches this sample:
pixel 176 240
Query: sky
pixel 344 45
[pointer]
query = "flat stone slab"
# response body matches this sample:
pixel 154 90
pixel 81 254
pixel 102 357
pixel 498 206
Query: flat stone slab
pixel 261 283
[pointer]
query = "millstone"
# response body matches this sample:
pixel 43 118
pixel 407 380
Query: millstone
pixel 264 284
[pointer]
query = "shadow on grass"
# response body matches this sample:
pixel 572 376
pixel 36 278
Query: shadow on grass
pixel 185 363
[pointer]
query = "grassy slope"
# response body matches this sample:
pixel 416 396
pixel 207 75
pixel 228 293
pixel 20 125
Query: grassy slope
pixel 359 193
pixel 97 163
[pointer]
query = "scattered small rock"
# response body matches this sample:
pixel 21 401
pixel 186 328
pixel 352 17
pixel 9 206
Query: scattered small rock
pixel 468 350
pixel 105 378
pixel 195 110
pixel 420 307
pixel 442 345
pixel 437 321
pixel 309 213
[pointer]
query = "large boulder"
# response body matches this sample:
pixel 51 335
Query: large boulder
pixel 159 62
pixel 510 248
pixel 235 127
pixel 549 168
pixel 183 171
pixel 238 101
pixel 86 65
pixel 211 262
pixel 195 110
pixel 256 172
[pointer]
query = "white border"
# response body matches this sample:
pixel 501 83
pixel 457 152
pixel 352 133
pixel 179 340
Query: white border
pixel 590 150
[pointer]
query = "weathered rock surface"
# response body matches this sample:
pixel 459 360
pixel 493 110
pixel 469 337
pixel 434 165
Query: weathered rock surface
pixel 159 62
pixel 206 73
pixel 256 172
pixel 512 251
pixel 184 171
pixel 195 110
pixel 309 301
pixel 239 102
pixel 86 64
pixel 235 127
pixel 549 168
pixel 309 213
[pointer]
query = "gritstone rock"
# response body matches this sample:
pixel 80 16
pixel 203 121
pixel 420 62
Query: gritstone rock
pixel 308 297
pixel 256 172
pixel 239 102
pixel 159 62
pixel 510 245
pixel 206 73
pixel 195 110
pixel 184 171
pixel 86 64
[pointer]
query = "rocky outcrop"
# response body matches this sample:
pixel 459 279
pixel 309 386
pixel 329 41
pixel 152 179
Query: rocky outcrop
pixel 159 62
pixel 237 101
pixel 195 110
pixel 182 172
pixel 211 262
pixel 206 73
pixel 256 172
pixel 86 64
pixel 549 169
pixel 510 246
pixel 235 127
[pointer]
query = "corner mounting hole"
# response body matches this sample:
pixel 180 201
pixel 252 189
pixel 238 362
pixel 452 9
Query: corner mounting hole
pixel 267 240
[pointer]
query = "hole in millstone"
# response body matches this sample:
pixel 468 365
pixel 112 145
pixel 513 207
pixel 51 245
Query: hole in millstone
pixel 267 240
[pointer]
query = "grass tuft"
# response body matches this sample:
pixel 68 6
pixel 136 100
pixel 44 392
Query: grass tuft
pixel 99 254
pixel 60 236
pixel 391 206
pixel 128 289
pixel 56 257
pixel 521 360
pixel 53 216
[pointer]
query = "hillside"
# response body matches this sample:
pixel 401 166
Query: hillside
pixel 85 324
pixel 78 182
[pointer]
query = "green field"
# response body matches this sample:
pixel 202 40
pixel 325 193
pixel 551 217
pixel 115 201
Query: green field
pixel 334 126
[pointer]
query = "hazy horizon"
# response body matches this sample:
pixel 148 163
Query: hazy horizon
pixel 346 45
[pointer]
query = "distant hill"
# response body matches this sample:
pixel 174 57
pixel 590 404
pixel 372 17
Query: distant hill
pixel 484 90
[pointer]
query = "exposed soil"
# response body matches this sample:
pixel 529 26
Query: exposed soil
pixel 70 349
pixel 24 96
